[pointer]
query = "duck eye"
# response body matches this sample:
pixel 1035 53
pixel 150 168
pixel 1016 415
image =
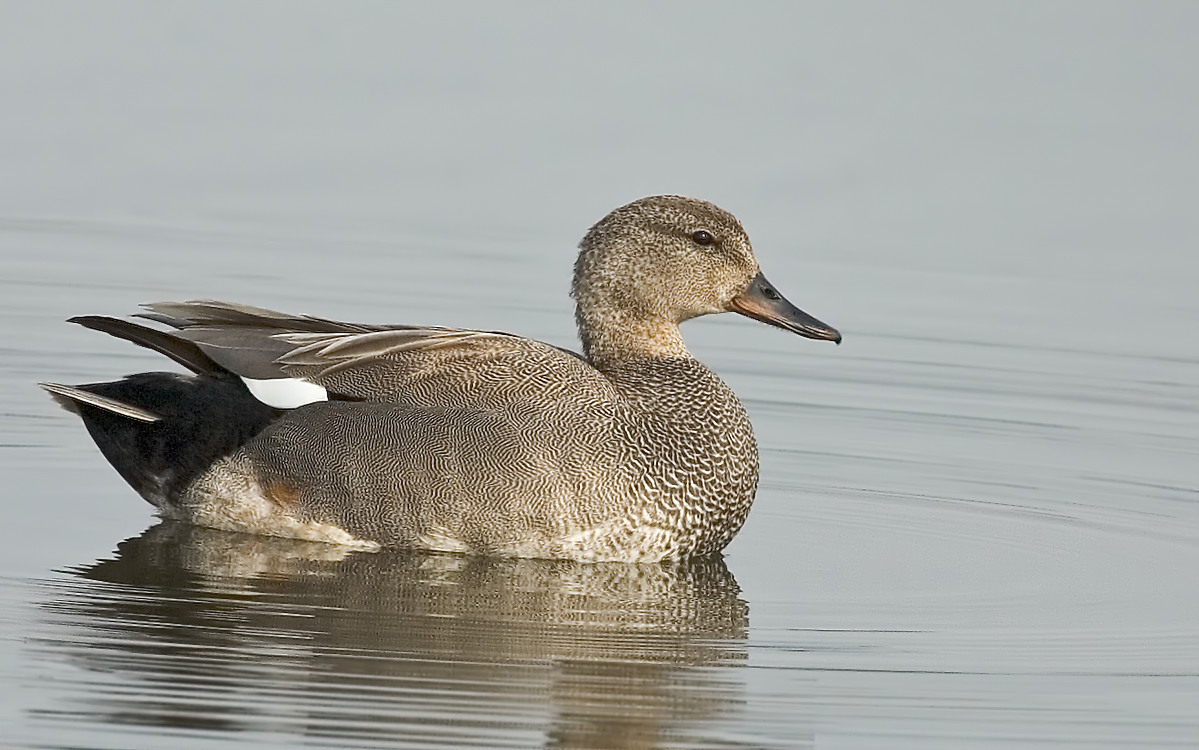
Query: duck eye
pixel 703 237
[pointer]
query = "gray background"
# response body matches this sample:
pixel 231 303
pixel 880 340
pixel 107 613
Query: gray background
pixel 978 519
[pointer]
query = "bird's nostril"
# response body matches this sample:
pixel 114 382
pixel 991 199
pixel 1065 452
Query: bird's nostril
pixel 770 293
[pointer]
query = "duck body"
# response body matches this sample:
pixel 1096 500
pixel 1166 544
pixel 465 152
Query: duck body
pixel 597 473
pixel 464 441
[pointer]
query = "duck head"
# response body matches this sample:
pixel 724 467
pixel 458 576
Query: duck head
pixel 649 265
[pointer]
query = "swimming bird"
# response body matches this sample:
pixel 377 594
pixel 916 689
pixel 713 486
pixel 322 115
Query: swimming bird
pixel 477 442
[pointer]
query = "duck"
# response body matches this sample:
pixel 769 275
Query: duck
pixel 461 441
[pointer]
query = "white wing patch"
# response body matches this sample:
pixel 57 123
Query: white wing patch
pixel 285 393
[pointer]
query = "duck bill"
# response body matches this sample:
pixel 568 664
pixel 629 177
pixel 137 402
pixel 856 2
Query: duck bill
pixel 761 301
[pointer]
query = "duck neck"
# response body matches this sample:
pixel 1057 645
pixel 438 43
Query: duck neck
pixel 613 337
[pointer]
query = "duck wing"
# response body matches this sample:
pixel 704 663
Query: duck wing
pixel 418 365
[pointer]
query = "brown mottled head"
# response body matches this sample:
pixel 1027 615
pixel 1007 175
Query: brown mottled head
pixel 649 265
pixel 665 257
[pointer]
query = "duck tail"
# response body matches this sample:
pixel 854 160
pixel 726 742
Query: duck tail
pixel 161 430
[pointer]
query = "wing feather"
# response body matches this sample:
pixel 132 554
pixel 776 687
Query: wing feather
pixel 424 365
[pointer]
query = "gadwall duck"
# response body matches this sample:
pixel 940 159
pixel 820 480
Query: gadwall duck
pixel 476 442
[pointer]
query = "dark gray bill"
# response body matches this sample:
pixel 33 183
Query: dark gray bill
pixel 761 301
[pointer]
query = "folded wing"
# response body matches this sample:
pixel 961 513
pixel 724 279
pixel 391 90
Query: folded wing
pixel 428 366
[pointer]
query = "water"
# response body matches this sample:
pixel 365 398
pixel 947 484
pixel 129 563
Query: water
pixel 978 524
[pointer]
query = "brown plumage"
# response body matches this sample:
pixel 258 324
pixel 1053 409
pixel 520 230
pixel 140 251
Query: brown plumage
pixel 471 441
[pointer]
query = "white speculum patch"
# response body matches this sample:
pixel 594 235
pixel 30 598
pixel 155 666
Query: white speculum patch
pixel 285 393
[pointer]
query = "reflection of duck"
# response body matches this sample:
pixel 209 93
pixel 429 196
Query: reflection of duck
pixel 235 632
pixel 457 440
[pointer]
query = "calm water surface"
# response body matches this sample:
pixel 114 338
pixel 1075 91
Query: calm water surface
pixel 978 524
